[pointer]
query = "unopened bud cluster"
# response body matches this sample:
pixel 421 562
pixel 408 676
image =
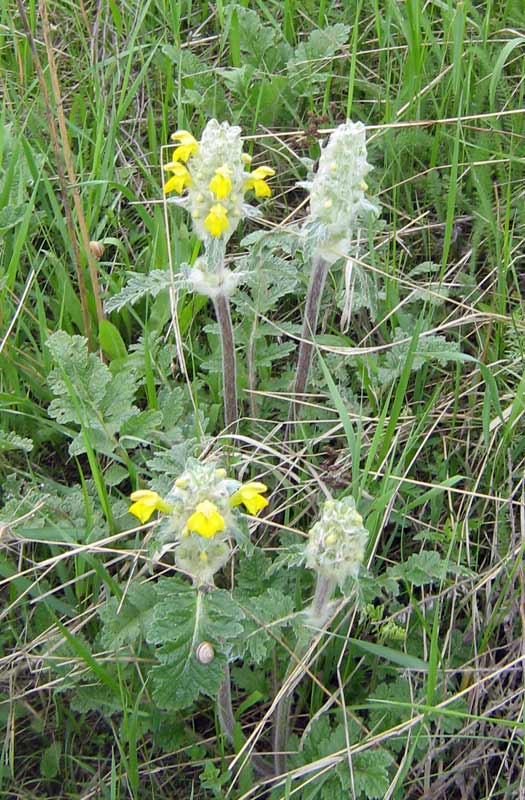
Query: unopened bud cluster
pixel 336 543
pixel 337 190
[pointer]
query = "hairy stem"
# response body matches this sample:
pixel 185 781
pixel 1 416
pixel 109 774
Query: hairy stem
pixel 319 610
pixel 229 375
pixel 317 614
pixel 281 725
pixel 311 315
pixel 227 723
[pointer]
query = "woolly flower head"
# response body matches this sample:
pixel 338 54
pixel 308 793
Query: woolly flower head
pixel 337 190
pixel 214 174
pixel 336 543
pixel 201 517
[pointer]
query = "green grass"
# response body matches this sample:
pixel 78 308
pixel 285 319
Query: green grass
pixel 430 445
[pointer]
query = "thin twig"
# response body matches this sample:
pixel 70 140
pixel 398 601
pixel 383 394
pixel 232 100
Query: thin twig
pixel 66 149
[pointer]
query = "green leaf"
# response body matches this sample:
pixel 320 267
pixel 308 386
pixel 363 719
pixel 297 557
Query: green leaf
pixel 504 55
pixel 213 779
pixel 369 773
pixel 311 59
pixel 421 568
pixel 89 395
pixel 428 348
pixel 11 441
pixel 11 216
pixel 139 286
pixel 259 44
pixel 139 429
pixel 184 618
pixel 125 619
pixel 111 342
pixel 50 761
pixel 370 768
pixel 269 613
pixel 389 654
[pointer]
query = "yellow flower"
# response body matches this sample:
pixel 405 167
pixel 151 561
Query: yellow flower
pixel 221 184
pixel 188 145
pixel 179 179
pixel 251 497
pixel 257 182
pixel 217 220
pixel 206 520
pixel 145 503
pixel 246 158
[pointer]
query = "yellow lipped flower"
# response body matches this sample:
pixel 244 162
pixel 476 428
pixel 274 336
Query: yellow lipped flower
pixel 179 179
pixel 250 495
pixel 257 182
pixel 146 502
pixel 188 145
pixel 217 220
pixel 206 520
pixel 221 184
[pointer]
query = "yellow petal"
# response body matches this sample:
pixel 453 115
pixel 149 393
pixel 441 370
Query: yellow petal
pixel 141 511
pixel 146 502
pixel 253 487
pixel 221 184
pixel 255 504
pixel 183 137
pixel 145 495
pixel 250 496
pixel 261 189
pixel 184 151
pixel 217 220
pixel 206 520
pixel 174 184
pixel 187 145
pixel 262 172
pixel 246 158
pixel 256 181
pixel 179 179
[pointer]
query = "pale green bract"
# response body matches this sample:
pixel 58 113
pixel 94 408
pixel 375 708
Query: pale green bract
pixel 338 204
pixel 337 541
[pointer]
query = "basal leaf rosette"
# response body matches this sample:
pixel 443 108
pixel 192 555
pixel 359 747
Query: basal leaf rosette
pixel 201 517
pixel 214 176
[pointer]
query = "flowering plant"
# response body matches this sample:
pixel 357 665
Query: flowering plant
pixel 213 177
pixel 202 516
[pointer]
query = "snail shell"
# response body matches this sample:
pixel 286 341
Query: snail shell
pixel 204 653
pixel 97 249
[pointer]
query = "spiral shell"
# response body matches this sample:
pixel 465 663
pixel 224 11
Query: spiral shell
pixel 204 653
pixel 97 249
